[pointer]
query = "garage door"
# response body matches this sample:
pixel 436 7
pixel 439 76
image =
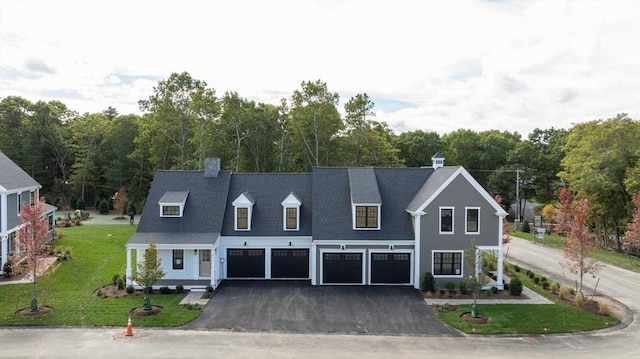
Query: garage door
pixel 245 263
pixel 391 268
pixel 342 268
pixel 290 263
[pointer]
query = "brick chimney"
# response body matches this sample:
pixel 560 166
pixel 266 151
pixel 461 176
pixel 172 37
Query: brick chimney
pixel 211 167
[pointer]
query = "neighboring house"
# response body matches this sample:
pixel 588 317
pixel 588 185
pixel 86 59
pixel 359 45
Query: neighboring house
pixel 336 225
pixel 17 189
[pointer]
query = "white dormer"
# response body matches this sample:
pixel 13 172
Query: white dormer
pixel 243 209
pixel 172 203
pixel 437 160
pixel 291 213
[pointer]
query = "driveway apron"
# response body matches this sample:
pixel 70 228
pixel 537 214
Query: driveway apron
pixel 296 306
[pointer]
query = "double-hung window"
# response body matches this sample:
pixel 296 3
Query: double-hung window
pixel 178 259
pixel 472 220
pixel 446 220
pixel 367 217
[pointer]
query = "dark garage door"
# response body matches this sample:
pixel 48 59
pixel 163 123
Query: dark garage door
pixel 342 268
pixel 391 268
pixel 245 263
pixel 290 263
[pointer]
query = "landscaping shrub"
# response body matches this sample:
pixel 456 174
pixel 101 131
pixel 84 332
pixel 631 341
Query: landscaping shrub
pixel 555 288
pixel 179 288
pixel 130 289
pixel 562 292
pixel 515 287
pixel 532 275
pixel 494 290
pixel 209 289
pixel 578 300
pixel 516 268
pixel 450 286
pixel 114 279
pixel 165 290
pixel 7 268
pixel 536 280
pixel 463 287
pixel 545 284
pixel 103 207
pixel 603 308
pixel 120 284
pixel 428 283
pixel 525 226
pixel 80 204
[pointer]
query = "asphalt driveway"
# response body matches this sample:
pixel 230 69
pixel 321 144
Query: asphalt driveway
pixel 296 306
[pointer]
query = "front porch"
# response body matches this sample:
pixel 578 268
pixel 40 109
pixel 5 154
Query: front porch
pixel 187 284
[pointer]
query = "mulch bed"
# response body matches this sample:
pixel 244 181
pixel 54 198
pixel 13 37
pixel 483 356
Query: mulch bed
pixel 140 312
pixel 26 312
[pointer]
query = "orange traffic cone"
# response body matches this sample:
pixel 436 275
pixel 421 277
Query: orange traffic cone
pixel 129 328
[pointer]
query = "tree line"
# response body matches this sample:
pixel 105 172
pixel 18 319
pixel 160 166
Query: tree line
pixel 81 159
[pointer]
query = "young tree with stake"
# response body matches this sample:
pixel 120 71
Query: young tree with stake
pixel 31 239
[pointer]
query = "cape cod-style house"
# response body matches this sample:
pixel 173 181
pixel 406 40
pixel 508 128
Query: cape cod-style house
pixel 335 225
pixel 17 189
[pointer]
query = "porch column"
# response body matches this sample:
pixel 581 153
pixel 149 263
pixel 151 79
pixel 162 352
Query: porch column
pixel 500 250
pixel 129 272
pixel 417 218
pixel 314 268
pixel 3 247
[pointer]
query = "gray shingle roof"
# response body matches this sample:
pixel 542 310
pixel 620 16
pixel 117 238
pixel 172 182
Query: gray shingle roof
pixel 173 238
pixel 173 196
pixel 12 177
pixel 203 210
pixel 332 217
pixel 268 190
pixel 363 186
pixel 435 181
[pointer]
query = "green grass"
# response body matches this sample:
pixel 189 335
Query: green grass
pixel 607 257
pixel 529 318
pixel 98 254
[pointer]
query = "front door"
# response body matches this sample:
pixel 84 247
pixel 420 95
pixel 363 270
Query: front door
pixel 205 263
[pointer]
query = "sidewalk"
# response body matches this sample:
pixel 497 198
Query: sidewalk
pixel 195 297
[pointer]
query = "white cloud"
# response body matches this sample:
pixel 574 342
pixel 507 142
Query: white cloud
pixel 435 65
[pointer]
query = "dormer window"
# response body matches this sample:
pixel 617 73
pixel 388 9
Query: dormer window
pixel 172 203
pixel 367 217
pixel 291 213
pixel 243 209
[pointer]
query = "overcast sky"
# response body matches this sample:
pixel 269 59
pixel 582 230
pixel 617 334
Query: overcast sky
pixel 429 65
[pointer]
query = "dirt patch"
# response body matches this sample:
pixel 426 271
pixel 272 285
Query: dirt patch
pixel 26 312
pixel 140 312
pixel 110 291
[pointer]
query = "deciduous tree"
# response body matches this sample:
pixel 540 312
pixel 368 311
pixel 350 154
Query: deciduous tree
pixel 632 235
pixel 31 239
pixel 572 220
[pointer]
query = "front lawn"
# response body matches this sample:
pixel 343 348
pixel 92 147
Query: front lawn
pixel 559 317
pixel 98 253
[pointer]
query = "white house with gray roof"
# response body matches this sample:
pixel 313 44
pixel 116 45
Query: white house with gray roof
pixel 335 225
pixel 17 189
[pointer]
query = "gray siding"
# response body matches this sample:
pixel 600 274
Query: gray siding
pixel 459 195
pixel 12 210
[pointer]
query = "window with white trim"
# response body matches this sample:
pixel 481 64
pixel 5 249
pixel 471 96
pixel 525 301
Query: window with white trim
pixel 13 242
pixel 19 203
pixel 472 220
pixel 242 211
pixel 242 218
pixel 291 213
pixel 172 203
pixel 178 259
pixel 367 217
pixel 446 220
pixel 447 264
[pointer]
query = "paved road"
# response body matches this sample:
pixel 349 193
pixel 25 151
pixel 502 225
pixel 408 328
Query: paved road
pixel 180 343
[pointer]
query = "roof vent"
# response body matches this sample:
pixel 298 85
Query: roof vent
pixel 211 167
pixel 438 160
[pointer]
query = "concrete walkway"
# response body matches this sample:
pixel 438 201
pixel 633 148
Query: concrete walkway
pixel 195 297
